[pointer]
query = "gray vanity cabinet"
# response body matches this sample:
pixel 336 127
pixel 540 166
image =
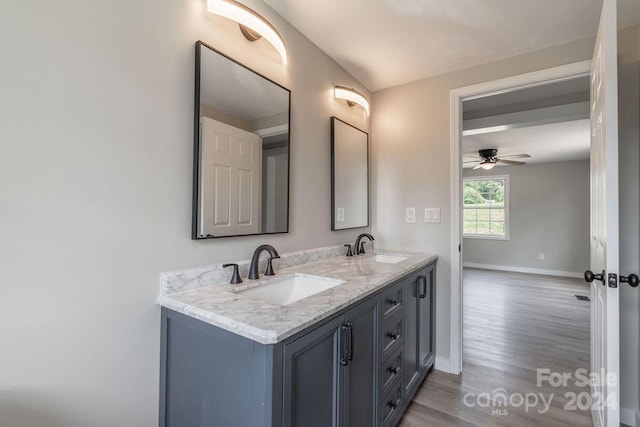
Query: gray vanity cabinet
pixel 314 378
pixel 425 315
pixel 210 377
pixel 411 363
pixel 359 368
pixel 329 372
pixel 419 354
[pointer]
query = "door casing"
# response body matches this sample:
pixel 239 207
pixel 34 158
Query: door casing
pixel 509 84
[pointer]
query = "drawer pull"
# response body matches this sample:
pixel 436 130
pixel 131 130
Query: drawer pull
pixel 393 336
pixel 393 370
pixel 392 301
pixel 393 404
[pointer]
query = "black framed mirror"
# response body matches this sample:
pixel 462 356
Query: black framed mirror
pixel 349 176
pixel 241 150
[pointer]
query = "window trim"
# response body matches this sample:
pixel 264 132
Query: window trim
pixel 507 198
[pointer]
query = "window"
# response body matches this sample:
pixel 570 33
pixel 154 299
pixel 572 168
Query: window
pixel 486 212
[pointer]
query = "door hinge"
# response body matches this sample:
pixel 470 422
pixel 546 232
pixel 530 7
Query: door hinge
pixel 613 280
pixel 460 247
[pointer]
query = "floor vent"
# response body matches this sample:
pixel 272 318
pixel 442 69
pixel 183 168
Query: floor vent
pixel 583 298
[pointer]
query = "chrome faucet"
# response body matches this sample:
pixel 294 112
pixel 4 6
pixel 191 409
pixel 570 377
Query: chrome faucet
pixel 358 248
pixel 255 260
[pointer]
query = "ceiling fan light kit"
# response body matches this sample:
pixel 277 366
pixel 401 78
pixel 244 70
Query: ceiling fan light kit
pixel 487 165
pixel 488 159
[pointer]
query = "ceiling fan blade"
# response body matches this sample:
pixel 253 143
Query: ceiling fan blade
pixel 471 161
pixel 515 156
pixel 477 167
pixel 511 162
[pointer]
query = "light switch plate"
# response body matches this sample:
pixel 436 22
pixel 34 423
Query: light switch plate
pixel 432 215
pixel 340 214
pixel 410 215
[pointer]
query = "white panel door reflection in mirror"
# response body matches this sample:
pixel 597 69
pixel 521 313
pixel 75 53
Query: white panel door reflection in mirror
pixel 350 186
pixel 230 181
pixel 241 142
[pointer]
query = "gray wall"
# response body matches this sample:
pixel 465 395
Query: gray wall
pixel 411 159
pixel 275 171
pixel 95 178
pixel 95 184
pixel 410 129
pixel 629 138
pixel 548 212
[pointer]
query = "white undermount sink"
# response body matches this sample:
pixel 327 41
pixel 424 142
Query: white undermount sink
pixel 389 258
pixel 290 289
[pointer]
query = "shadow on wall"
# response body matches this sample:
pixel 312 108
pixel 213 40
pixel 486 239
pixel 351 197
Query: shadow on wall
pixel 16 411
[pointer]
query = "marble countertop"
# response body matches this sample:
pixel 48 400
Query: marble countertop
pixel 268 323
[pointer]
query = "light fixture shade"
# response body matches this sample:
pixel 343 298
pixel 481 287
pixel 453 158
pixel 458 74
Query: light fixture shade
pixel 487 165
pixel 241 14
pixel 351 95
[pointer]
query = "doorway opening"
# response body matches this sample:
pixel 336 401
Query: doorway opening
pixel 507 205
pixel 511 84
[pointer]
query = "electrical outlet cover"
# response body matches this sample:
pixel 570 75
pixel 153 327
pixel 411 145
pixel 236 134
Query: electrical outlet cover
pixel 410 215
pixel 432 215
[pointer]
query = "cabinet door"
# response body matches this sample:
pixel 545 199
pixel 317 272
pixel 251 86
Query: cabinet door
pixel 425 316
pixel 411 361
pixel 313 377
pixel 361 370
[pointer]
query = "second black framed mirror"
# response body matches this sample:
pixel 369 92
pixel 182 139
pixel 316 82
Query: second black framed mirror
pixel 349 176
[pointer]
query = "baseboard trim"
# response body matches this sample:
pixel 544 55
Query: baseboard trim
pixel 442 364
pixel 629 417
pixel 522 270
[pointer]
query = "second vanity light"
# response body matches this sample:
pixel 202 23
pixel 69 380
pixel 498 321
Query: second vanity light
pixel 252 25
pixel 352 97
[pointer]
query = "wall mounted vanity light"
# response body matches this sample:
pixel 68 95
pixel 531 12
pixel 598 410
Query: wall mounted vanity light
pixel 252 25
pixel 352 97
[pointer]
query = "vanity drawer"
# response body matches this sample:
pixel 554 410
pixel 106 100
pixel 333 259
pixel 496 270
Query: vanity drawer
pixel 390 369
pixel 390 405
pixel 391 333
pixel 392 300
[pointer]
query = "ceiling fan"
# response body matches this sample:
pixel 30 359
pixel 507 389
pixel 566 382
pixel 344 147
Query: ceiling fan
pixel 488 158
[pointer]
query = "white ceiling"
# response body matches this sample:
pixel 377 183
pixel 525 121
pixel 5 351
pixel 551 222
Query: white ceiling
pixel 566 137
pixel 546 143
pixel 552 90
pixel 385 43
